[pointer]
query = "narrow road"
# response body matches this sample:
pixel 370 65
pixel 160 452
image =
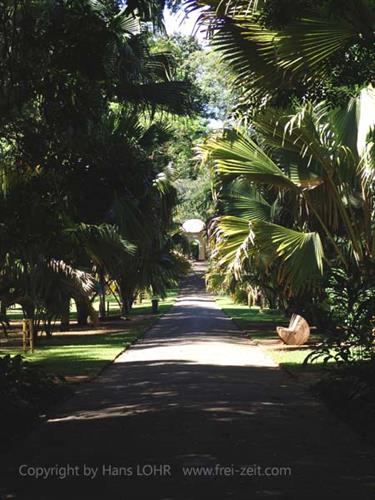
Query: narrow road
pixel 193 411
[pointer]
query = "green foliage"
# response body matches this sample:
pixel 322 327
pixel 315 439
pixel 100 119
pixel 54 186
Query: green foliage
pixel 294 197
pixel 214 78
pixel 86 195
pixel 25 391
pixel 213 95
pixel 195 198
pixel 350 299
pixel 281 50
pixel 294 188
pixel 204 68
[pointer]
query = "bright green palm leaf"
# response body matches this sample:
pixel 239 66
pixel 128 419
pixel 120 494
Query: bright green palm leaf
pixel 242 199
pixel 247 207
pixel 246 46
pixel 309 43
pixel 354 123
pixel 232 237
pixel 236 154
pixel 301 254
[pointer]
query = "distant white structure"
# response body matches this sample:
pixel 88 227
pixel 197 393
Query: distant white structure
pixel 195 231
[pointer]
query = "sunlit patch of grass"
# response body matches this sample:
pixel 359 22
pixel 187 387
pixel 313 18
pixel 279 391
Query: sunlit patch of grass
pixel 84 354
pixel 81 354
pixel 244 315
pixel 291 357
pixel 261 327
pixel 112 306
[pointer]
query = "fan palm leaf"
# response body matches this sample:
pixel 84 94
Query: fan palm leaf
pixel 232 239
pixel 268 60
pixel 318 163
pixel 237 154
pixel 103 244
pixel 300 254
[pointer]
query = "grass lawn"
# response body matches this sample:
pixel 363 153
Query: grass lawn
pixel 15 312
pixel 81 354
pixel 261 327
pixel 244 315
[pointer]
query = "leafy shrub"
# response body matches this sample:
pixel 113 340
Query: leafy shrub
pixel 351 393
pixel 25 392
pixel 349 321
pixel 240 295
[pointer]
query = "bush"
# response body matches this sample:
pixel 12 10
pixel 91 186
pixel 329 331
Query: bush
pixel 25 392
pixel 351 393
pixel 350 322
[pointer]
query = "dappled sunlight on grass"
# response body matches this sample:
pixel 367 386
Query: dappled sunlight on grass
pixel 15 313
pixel 242 314
pixel 261 328
pixel 84 353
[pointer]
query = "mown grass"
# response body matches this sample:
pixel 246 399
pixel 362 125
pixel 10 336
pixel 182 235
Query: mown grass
pixel 244 315
pixel 261 327
pixel 82 354
pixel 112 307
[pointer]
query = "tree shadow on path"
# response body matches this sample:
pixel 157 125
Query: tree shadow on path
pixel 193 393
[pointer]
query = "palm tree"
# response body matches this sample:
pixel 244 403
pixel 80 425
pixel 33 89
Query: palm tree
pixel 310 200
pixel 274 58
pixel 147 221
pixel 79 180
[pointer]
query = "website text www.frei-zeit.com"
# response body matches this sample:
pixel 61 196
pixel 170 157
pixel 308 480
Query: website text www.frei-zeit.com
pixel 152 470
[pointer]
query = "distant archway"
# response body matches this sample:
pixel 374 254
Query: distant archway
pixel 195 232
pixel 194 249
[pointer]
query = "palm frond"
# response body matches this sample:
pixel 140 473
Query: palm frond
pixel 232 237
pixel 308 44
pixel 244 200
pixel 267 60
pixel 125 23
pixel 103 244
pixel 300 254
pixel 173 96
pixel 236 154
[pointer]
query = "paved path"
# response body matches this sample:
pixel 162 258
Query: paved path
pixel 193 393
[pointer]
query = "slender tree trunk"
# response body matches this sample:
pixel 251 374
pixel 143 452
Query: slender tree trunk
pixel 29 313
pixel 82 312
pixel 126 305
pixel 102 311
pixel 3 311
pixel 65 317
pixel 28 309
pixel 127 295
pixel 48 327
pixel 3 318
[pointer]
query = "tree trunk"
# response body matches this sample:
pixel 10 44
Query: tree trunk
pixel 83 312
pixel 48 327
pixel 3 317
pixel 65 317
pixel 28 310
pixel 3 311
pixel 126 304
pixel 102 311
pixel 127 295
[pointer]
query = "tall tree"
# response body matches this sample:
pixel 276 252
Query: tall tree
pixel 79 82
pixel 310 198
pixel 286 49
